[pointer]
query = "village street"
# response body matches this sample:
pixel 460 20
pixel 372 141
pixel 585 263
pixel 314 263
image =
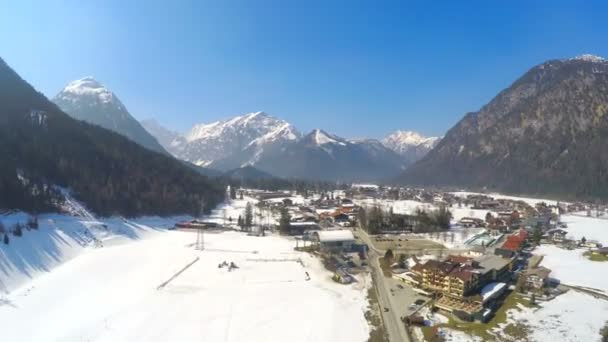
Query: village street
pixel 392 318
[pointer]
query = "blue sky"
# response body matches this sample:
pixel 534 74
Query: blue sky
pixel 354 68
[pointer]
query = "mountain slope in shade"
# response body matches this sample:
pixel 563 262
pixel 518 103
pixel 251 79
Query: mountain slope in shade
pixel 43 147
pixel 545 134
pixel 323 156
pixel 171 141
pixel 88 100
pixel 411 145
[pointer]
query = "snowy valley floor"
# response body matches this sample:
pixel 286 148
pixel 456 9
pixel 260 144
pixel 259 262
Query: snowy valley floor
pixel 110 294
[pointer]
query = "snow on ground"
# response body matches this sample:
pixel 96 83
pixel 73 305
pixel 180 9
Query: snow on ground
pixel 409 207
pixel 296 199
pixel 450 335
pixel 589 227
pixel 455 238
pixel 110 294
pixel 571 317
pixel 60 238
pixel 228 213
pixel 529 200
pixel 571 267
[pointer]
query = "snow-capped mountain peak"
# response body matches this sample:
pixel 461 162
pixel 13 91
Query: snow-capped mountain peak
pixel 320 137
pixel 88 100
pixel 230 143
pixel 252 125
pixel 89 87
pixel 409 138
pixel 409 144
pixel 589 58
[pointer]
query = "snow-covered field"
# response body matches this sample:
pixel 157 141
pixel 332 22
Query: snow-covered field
pixel 571 317
pixel 589 227
pixel 110 293
pixel 529 200
pixel 61 238
pixel 409 207
pixel 572 268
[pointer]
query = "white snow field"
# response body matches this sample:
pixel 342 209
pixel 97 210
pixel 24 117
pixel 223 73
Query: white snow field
pixel 409 207
pixel 589 227
pixel 530 200
pixel 571 267
pixel 61 238
pixel 571 317
pixel 111 294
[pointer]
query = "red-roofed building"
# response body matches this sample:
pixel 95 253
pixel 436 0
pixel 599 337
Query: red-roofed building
pixel 516 241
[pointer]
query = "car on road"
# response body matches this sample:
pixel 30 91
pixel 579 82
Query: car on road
pixel 419 302
pixel 385 309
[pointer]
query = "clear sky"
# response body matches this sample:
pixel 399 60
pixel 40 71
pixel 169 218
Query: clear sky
pixel 353 68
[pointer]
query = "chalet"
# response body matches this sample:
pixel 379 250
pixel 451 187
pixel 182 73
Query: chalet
pixel 536 278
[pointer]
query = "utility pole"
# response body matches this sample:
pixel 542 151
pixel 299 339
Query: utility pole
pixel 200 240
pixel 200 237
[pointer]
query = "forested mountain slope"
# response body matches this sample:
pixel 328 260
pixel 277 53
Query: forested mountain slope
pixel 42 147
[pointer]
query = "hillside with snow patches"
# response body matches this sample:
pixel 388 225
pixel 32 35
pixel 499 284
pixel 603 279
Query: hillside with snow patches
pixel 261 140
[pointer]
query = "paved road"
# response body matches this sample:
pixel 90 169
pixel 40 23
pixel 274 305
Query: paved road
pixel 392 318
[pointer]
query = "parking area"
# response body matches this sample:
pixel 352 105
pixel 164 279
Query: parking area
pixel 404 298
pixel 405 245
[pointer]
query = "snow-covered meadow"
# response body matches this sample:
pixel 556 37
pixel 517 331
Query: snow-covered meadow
pixel 529 200
pixel 60 280
pixel 591 228
pixel 571 317
pixel 571 267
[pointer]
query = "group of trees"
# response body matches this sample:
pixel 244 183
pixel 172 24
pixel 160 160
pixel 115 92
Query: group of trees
pixel 434 220
pixel 246 222
pixel 17 229
pixel 284 220
pixel 375 220
pixel 300 186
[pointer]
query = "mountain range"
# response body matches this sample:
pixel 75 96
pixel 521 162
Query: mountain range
pixel 545 134
pixel 542 135
pixel 275 146
pixel 256 139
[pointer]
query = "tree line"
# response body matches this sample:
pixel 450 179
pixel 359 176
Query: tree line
pixel 376 220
